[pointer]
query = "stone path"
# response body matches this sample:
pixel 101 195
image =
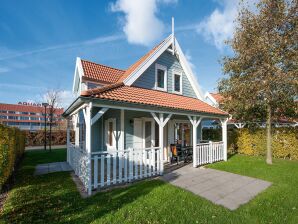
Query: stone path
pixel 51 168
pixel 42 147
pixel 222 188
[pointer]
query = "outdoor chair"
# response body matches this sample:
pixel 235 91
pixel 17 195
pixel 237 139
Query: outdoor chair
pixel 176 151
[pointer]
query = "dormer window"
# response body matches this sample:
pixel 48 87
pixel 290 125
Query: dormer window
pixel 160 77
pixel 177 83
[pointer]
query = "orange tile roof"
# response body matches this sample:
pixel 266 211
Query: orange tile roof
pixel 217 97
pixel 101 73
pixel 138 63
pixel 151 97
pixel 106 74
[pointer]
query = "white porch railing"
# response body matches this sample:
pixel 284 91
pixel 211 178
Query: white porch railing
pixel 209 152
pixel 118 167
pixel 79 160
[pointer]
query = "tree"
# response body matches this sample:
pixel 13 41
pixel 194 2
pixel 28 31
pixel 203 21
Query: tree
pixel 53 100
pixel 262 76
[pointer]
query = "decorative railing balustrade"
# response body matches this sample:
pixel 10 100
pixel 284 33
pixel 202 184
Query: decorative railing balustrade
pixel 209 152
pixel 118 167
pixel 79 160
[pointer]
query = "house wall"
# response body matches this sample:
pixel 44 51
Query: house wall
pixel 147 79
pixel 98 129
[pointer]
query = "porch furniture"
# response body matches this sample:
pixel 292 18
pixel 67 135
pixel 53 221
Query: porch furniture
pixel 176 151
pixel 187 154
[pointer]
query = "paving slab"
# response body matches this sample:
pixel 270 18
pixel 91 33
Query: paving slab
pixel 220 187
pixel 52 168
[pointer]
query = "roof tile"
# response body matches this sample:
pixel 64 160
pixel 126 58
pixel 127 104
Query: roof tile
pixel 101 72
pixel 151 97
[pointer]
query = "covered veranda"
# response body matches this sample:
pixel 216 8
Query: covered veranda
pixel 100 166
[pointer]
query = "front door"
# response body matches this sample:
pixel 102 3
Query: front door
pixel 144 133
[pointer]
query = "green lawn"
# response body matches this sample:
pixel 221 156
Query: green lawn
pixel 53 198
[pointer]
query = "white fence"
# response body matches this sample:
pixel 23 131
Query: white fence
pixel 209 152
pixel 79 160
pixel 116 167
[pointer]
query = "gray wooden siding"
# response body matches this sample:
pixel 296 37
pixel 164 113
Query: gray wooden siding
pixel 98 129
pixel 147 79
pixel 128 125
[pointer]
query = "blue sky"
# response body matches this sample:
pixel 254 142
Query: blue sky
pixel 40 39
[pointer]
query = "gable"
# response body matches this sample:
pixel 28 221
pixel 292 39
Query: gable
pixel 170 61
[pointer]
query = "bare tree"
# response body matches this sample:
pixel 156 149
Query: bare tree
pixel 53 100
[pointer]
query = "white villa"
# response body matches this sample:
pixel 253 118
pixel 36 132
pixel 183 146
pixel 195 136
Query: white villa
pixel 130 124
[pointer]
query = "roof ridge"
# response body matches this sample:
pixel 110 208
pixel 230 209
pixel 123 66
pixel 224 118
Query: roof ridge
pixel 107 66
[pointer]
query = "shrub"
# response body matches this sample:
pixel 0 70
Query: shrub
pixel 216 135
pixel 37 138
pixel 284 142
pixel 12 146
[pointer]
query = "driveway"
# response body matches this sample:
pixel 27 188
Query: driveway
pixel 220 187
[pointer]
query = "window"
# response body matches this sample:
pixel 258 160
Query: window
pixel 11 112
pixel 33 118
pixel 110 133
pixel 160 77
pixel 31 113
pixel 12 117
pixel 177 83
pixel 24 113
pixel 24 118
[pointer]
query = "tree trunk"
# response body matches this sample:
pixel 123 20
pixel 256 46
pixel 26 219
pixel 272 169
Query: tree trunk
pixel 268 127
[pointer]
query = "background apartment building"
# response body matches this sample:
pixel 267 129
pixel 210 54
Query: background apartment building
pixel 29 116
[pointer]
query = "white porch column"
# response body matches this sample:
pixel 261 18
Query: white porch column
pixel 161 145
pixel 195 123
pixel 67 138
pixel 77 130
pixel 121 140
pixel 87 116
pixel 225 137
pixel 194 144
pixel 161 122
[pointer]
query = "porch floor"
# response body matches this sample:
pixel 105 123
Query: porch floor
pixel 222 188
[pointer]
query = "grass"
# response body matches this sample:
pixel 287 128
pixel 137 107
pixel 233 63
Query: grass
pixel 53 198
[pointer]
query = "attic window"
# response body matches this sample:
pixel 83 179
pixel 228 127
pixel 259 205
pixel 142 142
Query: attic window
pixel 177 83
pixel 160 77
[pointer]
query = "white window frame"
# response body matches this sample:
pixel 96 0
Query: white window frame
pixel 113 146
pixel 145 119
pixel 180 74
pixel 164 68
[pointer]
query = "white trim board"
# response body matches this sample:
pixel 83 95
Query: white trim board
pixel 156 111
pixel 165 69
pixel 78 74
pixel 213 100
pixel 173 82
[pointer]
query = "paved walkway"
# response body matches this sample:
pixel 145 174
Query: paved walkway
pixel 42 147
pixel 51 168
pixel 222 188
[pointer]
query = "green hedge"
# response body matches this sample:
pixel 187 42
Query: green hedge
pixel 12 146
pixel 284 142
pixel 253 141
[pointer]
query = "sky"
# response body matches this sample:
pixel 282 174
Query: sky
pixel 40 39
